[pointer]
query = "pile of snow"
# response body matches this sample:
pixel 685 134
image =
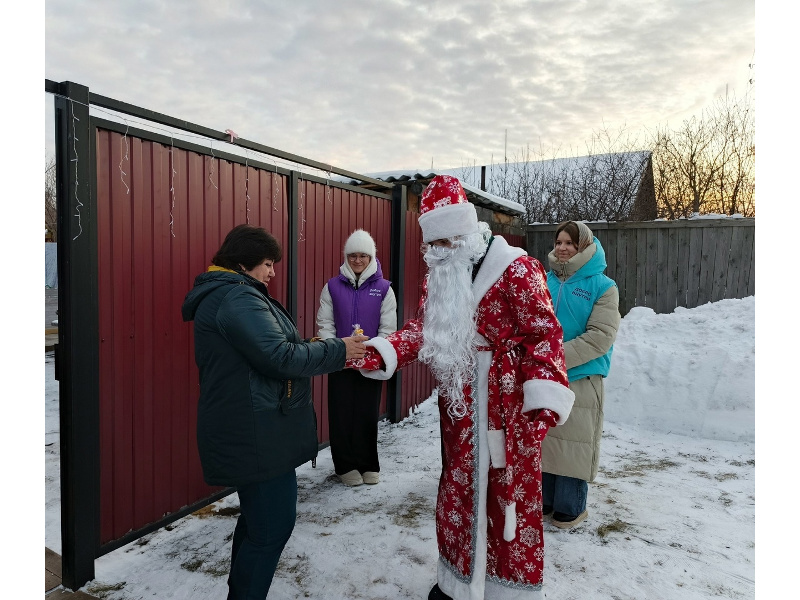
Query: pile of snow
pixel 689 372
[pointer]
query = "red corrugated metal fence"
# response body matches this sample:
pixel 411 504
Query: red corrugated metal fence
pixel 327 216
pixel 162 214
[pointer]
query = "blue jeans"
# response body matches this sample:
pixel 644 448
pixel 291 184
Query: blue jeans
pixel 566 495
pixel 268 510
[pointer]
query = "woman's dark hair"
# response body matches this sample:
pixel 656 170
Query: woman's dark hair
pixel 572 231
pixel 247 246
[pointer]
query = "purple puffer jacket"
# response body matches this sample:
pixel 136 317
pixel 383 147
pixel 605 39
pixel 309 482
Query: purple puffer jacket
pixel 360 305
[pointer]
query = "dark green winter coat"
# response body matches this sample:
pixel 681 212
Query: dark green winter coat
pixel 255 416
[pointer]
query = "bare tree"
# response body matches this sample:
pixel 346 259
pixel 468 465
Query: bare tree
pixel 601 185
pixel 467 174
pixel 693 162
pixel 526 182
pixel 735 186
pixel 50 216
pixel 708 164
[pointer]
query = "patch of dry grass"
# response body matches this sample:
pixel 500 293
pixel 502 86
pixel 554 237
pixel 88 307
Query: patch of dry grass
pixel 103 591
pixel 615 526
pixel 411 510
pixel 639 463
pixel 212 511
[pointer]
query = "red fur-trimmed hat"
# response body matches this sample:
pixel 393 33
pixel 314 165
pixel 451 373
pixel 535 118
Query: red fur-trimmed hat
pixel 444 210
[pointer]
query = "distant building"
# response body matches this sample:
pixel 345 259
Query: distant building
pixel 600 187
pixel 505 217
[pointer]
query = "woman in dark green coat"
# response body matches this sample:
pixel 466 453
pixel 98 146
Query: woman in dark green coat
pixel 255 416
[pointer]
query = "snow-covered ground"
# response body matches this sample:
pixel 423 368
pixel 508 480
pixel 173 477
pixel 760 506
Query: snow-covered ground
pixel 671 514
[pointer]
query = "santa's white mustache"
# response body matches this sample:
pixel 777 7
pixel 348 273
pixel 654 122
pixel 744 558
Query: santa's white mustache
pixel 442 255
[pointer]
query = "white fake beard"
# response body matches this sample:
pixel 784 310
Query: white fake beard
pixel 449 327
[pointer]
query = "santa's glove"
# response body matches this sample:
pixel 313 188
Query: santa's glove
pixel 542 422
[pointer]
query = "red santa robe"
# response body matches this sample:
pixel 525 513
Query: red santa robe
pixel 489 506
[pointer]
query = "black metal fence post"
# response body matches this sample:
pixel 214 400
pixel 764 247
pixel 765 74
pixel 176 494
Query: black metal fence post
pixel 398 242
pixel 77 332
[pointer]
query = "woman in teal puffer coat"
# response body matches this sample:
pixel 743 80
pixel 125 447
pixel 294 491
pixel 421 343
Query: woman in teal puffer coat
pixel 586 304
pixel 255 416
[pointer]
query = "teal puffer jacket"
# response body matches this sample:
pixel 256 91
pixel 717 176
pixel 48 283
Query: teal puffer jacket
pixel 255 415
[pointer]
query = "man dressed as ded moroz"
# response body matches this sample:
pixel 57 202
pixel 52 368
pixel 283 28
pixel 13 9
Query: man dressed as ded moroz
pixel 487 330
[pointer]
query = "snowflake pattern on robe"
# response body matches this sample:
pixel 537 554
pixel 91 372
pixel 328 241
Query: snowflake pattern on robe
pixel 516 318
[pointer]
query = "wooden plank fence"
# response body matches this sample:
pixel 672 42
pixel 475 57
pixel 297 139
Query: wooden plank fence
pixel 665 264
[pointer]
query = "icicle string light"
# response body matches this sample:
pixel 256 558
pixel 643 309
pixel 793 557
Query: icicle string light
pixel 246 179
pixel 172 186
pixel 275 182
pixel 302 210
pixel 211 160
pixel 78 203
pixel 125 158
pixel 149 126
pixel 328 186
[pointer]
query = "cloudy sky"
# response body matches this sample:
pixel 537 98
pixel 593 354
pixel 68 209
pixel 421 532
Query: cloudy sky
pixel 371 86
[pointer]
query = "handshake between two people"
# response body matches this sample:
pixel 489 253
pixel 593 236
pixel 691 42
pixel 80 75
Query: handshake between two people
pixel 355 346
pixel 355 343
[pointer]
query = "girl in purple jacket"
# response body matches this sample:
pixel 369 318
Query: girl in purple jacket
pixel 358 298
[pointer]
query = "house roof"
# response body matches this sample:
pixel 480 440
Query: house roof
pixel 474 194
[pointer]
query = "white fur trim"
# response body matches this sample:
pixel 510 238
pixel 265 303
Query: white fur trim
pixel 510 526
pixel 496 439
pixel 449 221
pixel 500 255
pixel 389 356
pixel 360 241
pixel 543 393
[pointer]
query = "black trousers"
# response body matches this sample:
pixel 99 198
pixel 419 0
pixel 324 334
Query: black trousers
pixel 353 408
pixel 268 510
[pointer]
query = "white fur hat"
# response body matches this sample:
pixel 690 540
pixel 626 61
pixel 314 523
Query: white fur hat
pixel 360 241
pixel 444 210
